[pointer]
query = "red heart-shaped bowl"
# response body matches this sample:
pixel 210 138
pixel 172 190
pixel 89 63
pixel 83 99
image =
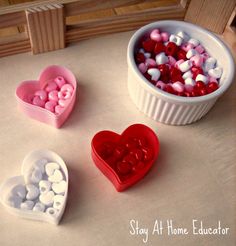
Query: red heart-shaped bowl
pixel 26 89
pixel 125 159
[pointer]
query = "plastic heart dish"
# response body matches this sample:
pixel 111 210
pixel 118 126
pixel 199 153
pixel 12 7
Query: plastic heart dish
pixel 40 193
pixel 125 159
pixel 26 90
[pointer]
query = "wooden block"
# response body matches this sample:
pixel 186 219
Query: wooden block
pixel 145 5
pixel 33 33
pixel 61 26
pixel 55 27
pixel 8 31
pixel 125 22
pixel 12 19
pixel 14 44
pixel 99 14
pixel 212 15
pixel 46 27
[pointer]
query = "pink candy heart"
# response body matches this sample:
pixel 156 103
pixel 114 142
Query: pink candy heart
pixel 67 87
pixel 59 109
pixel 186 47
pixel 53 95
pixel 155 35
pixel 165 36
pixel 51 86
pixel 64 95
pixel 142 68
pixel 41 94
pixel 60 81
pixel 37 101
pixel 197 60
pixel 64 103
pixel 50 105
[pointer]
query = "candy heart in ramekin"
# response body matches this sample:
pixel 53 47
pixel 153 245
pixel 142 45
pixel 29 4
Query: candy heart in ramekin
pixel 125 159
pixel 28 196
pixel 26 89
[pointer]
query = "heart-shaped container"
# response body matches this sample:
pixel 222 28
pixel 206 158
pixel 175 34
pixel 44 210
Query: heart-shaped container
pixel 133 131
pixel 7 186
pixel 26 88
pixel 165 107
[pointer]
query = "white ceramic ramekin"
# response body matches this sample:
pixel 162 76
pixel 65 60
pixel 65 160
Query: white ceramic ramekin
pixel 168 108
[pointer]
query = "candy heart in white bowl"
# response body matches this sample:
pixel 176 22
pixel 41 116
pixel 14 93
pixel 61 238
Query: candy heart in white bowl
pixel 32 195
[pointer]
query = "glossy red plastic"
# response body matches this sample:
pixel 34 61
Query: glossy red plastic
pixel 125 159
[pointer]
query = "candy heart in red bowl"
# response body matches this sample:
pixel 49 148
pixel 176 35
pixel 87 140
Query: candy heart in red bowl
pixel 125 159
pixel 51 98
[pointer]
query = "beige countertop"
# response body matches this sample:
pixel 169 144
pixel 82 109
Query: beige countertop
pixel 193 178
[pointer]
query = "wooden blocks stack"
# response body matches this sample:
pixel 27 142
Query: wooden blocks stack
pixel 46 27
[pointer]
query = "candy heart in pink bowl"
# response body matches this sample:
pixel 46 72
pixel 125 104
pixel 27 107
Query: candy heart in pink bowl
pixel 51 98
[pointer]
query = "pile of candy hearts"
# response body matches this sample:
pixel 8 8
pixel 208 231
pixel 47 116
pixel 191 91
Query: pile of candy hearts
pixel 177 64
pixel 55 96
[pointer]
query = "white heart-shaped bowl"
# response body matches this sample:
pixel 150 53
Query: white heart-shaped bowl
pixel 28 161
pixel 165 107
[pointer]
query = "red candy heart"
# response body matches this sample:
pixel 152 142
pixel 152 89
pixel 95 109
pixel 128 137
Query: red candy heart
pixel 171 49
pixel 212 86
pixel 159 47
pixel 140 58
pixel 125 159
pixel 149 45
pixel 181 55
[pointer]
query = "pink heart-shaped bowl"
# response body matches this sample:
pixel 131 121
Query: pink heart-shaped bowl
pixel 125 159
pixel 26 89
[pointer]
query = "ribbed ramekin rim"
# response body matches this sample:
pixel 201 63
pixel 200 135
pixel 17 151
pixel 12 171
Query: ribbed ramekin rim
pixel 168 96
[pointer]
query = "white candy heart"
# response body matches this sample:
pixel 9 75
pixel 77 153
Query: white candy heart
pixel 32 192
pixel 56 177
pixel 19 191
pixel 209 63
pixel 51 167
pixel 27 205
pixel 34 175
pixel 185 66
pixel 58 201
pixel 59 188
pixel 41 164
pixel 47 198
pixel 194 42
pixel 191 53
pixel 203 78
pixel 21 194
pixel 189 81
pixel 39 207
pixel 161 58
pixel 147 55
pixel 155 73
pixel 183 35
pixel 176 39
pixel 215 72
pixel 45 186
pixel 14 201
pixel 187 74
